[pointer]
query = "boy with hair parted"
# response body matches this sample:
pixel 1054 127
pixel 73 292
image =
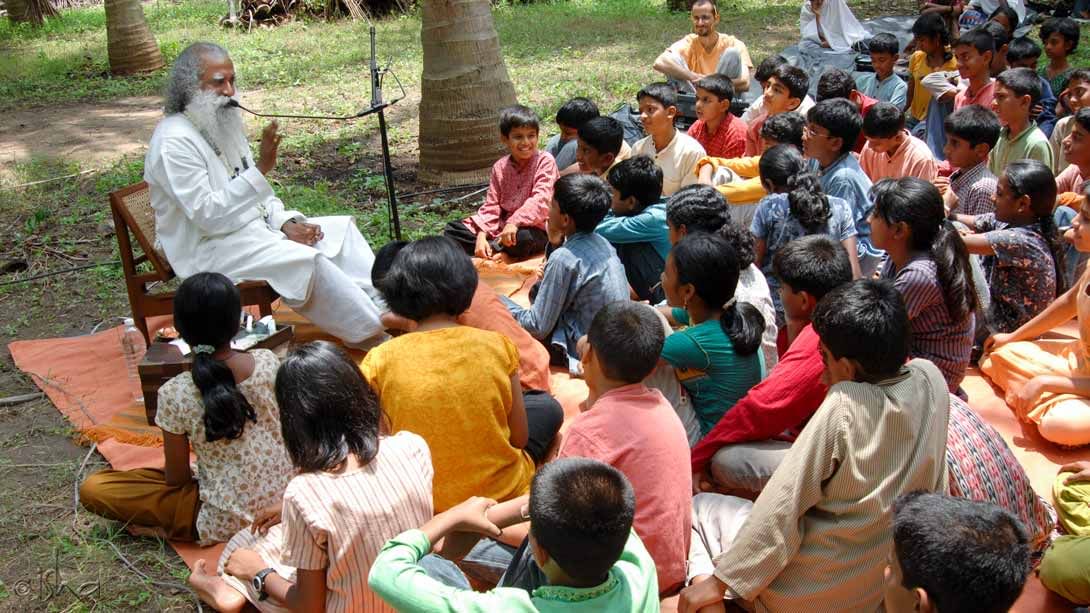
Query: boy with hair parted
pixel 569 118
pixel 675 152
pixel 1017 91
pixel 785 91
pixel 581 537
pixel 1074 97
pixel 717 129
pixel 601 146
pixel 819 531
pixel 883 84
pixel 971 133
pixel 891 152
pixel 953 555
pixel 636 225
pixel 512 219
pixel 1022 52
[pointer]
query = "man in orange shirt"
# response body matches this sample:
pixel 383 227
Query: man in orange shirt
pixel 705 52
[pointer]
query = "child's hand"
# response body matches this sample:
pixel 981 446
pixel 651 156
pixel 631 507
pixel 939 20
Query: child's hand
pixel 1081 472
pixel 469 516
pixel 266 518
pixel 244 564
pixel 1029 394
pixel 483 250
pixel 996 341
pixel 509 234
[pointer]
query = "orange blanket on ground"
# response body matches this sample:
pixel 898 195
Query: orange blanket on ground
pixel 85 377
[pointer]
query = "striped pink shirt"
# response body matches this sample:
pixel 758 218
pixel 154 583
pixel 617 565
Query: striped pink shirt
pixel 340 522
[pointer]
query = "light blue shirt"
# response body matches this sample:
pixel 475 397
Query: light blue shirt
pixel 892 90
pixel 846 180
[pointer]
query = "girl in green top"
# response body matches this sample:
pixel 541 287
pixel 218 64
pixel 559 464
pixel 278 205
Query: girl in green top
pixel 716 356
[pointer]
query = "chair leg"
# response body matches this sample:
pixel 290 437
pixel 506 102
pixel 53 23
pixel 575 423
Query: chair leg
pixel 141 323
pixel 265 307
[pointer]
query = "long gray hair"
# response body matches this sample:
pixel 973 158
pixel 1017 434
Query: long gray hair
pixel 185 75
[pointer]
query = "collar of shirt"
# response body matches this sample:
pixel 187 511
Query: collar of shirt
pixel 831 168
pixel 1024 134
pixel 530 164
pixel 902 148
pixel 666 149
pixel 968 175
pixel 577 594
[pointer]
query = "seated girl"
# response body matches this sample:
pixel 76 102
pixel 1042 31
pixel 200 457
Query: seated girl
pixel 796 207
pixel 716 357
pixel 356 487
pixel 457 386
pixel 225 408
pixel 1047 383
pixel 928 264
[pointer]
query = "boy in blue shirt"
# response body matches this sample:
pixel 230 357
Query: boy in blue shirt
pixel 636 225
pixel 569 118
pixel 883 84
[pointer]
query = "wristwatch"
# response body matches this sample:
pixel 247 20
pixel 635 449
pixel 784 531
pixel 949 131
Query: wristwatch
pixel 258 583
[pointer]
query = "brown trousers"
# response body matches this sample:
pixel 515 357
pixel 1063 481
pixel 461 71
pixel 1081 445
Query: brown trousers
pixel 142 497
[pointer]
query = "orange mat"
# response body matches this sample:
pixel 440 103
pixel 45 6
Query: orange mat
pixel 85 377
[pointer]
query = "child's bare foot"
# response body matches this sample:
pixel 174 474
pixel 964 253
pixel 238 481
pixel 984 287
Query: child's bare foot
pixel 213 590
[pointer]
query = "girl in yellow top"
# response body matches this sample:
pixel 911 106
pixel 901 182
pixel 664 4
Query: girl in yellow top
pixel 1048 381
pixel 457 386
pixel 932 54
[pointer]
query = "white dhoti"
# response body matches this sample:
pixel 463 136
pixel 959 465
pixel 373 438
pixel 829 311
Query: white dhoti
pixel 716 522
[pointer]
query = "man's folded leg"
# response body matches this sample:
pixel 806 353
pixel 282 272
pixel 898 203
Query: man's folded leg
pixel 340 307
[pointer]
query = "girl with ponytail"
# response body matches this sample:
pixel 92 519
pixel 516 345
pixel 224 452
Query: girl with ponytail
pixel 928 264
pixel 795 207
pixel 716 357
pixel 225 408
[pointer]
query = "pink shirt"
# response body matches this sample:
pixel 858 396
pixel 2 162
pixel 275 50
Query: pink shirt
pixel 635 430
pixel 983 97
pixel 517 196
pixel 911 159
pixel 1070 180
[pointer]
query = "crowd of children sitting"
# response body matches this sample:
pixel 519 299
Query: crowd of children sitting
pixel 773 316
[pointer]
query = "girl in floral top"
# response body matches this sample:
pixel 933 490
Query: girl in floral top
pixel 226 410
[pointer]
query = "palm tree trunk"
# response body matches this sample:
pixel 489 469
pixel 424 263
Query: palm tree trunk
pixel 463 87
pixel 129 41
pixel 31 11
pixel 679 5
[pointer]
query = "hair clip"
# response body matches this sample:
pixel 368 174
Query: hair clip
pixel 205 349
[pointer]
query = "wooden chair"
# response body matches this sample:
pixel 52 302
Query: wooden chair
pixel 132 212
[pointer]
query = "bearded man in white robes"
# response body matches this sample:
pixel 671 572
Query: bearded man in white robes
pixel 215 210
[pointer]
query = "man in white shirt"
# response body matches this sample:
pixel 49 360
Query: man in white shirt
pixel 215 211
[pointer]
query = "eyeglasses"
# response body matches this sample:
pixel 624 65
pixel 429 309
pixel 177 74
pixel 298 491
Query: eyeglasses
pixel 808 131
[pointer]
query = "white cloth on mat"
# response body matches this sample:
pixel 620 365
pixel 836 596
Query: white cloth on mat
pixel 841 28
pixel 716 521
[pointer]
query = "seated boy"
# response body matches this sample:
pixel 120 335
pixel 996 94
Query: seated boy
pixel 569 118
pixel 971 132
pixel 601 146
pixel 512 218
pixel 1075 97
pixel 761 75
pixel 581 536
pixel 837 83
pixel 832 126
pixel 580 276
pixel 741 452
pixel 1060 36
pixel 819 531
pixel 974 52
pixel 785 92
pixel 1016 92
pixel 717 129
pixel 1024 53
pixel 675 152
pixel 636 225
pixel 635 430
pixel 891 152
pixel 883 84
pixel 954 555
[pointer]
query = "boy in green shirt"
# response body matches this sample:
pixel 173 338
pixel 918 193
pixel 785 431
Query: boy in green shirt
pixel 581 536
pixel 1016 92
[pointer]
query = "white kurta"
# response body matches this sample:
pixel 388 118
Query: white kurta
pixel 208 219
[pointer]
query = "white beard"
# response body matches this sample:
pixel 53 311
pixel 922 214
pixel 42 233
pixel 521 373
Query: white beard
pixel 222 126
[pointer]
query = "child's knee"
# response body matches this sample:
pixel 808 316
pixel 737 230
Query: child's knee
pixel 1067 423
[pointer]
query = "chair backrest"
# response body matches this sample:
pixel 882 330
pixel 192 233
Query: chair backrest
pixel 133 204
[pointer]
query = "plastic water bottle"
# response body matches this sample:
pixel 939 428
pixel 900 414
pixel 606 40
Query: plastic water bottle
pixel 133 349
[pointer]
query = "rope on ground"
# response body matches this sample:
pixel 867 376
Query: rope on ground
pixel 49 180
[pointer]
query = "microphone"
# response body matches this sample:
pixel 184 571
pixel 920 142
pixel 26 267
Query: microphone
pixel 234 103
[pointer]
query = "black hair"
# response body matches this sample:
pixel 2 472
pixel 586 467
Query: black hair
pixel 975 124
pixel 1082 116
pixel 768 67
pixel 327 409
pixel 603 134
pixel 207 308
pixel 581 513
pixel 967 555
pixel 1023 82
pixel 1027 177
pixel 742 241
pixel 663 93
pixel 709 263
pixel 883 120
pixel 884 42
pixel 841 118
pixel 783 167
pixel 697 208
pixel 918 204
pixel 1010 14
pixel 1065 27
pixel 518 116
pixel 1000 35
pixel 794 79
pixel 979 39
pixel 932 25
pixel 577 111
pixel 1023 48
pixel 627 339
pixel 834 83
pixel 430 276
pixel 865 321
pixel 785 128
pixel 815 264
pixel 640 177
pixel 1079 74
pixel 384 259
pixel 585 198
pixel 718 85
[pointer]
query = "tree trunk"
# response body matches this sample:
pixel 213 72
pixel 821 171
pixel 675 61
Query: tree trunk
pixel 463 87
pixel 679 5
pixel 30 11
pixel 129 42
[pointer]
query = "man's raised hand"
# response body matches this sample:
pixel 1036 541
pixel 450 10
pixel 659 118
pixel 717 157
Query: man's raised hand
pixel 270 143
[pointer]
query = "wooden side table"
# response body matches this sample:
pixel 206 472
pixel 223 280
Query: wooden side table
pixel 164 361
